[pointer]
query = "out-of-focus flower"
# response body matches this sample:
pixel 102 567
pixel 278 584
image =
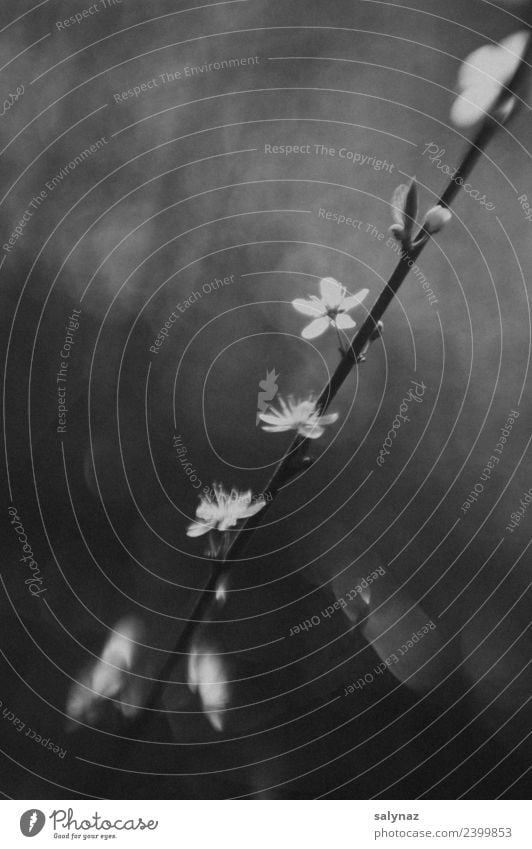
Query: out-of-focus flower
pixel 301 416
pixel 207 676
pixel 109 677
pixel 436 218
pixel 483 75
pixel 221 590
pixel 223 510
pixel 330 309
pixel 404 212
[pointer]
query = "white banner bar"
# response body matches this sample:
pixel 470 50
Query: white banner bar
pixel 278 825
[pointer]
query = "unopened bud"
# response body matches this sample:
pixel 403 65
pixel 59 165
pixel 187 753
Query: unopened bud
pixel 436 218
pixel 404 211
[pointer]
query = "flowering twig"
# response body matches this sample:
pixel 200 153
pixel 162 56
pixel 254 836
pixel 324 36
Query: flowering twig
pixel 294 461
pixel 371 325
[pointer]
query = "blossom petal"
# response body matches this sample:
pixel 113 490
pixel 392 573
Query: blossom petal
pixel 253 508
pixel 311 308
pixel 285 408
pixel 483 74
pixel 315 328
pixel 493 63
pixel 328 418
pixel 197 529
pixel 344 321
pixel 474 104
pixel 276 428
pixel 477 68
pixel 272 418
pixel 513 47
pixel 353 301
pixel 332 292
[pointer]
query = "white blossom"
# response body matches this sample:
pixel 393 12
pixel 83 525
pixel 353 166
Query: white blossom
pixel 330 309
pixel 223 510
pixel 301 416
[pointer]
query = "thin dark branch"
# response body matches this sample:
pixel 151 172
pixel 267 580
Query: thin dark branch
pixel 285 467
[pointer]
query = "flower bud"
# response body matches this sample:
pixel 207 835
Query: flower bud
pixel 404 211
pixel 436 218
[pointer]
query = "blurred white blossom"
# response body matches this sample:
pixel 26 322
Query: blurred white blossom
pixel 207 676
pixel 301 416
pixel 483 75
pixel 223 510
pixel 330 309
pixel 109 677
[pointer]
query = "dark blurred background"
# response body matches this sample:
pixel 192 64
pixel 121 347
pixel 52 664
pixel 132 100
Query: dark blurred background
pixel 181 192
